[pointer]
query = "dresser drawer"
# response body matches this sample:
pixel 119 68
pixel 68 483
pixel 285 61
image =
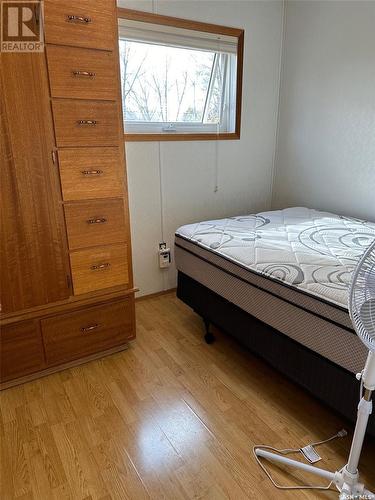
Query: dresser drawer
pixel 95 223
pixel 21 350
pixel 83 23
pixel 85 123
pixel 82 73
pixel 99 268
pixel 77 334
pixel 91 173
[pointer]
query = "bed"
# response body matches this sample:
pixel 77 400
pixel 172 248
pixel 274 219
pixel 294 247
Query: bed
pixel 278 281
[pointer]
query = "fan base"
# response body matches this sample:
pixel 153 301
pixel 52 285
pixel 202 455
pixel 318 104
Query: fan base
pixel 346 483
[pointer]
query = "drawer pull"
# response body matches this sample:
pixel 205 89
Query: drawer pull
pixel 78 19
pixel 87 329
pixel 101 267
pixel 87 122
pixel 92 172
pixel 100 220
pixel 89 74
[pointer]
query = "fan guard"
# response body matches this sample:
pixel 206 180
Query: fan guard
pixel 362 298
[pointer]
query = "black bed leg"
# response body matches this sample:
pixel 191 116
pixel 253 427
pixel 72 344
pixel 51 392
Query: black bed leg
pixel 208 337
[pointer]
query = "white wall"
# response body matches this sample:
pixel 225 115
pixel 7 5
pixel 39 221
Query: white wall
pixel 245 166
pixel 326 139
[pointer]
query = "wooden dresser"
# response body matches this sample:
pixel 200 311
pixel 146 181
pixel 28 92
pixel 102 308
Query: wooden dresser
pixel 67 291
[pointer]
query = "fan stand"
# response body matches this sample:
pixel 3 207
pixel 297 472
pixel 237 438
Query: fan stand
pixel 346 479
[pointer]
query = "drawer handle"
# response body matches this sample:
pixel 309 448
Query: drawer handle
pixel 100 220
pixel 87 329
pixel 92 172
pixel 101 267
pixel 89 74
pixel 87 122
pixel 78 19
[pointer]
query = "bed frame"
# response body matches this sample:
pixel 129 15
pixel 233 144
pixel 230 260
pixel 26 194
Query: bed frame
pixel 327 381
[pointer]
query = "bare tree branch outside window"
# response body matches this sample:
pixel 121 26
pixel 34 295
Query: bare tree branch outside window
pixel 164 84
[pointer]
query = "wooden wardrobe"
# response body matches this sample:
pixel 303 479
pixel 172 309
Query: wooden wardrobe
pixel 67 291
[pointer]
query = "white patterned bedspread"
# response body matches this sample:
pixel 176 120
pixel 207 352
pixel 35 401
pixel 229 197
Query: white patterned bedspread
pixel 310 250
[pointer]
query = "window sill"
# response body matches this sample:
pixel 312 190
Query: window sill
pixel 188 136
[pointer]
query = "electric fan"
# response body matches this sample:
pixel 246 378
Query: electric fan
pixel 362 314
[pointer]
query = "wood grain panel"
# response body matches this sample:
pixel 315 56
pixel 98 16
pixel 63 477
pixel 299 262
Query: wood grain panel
pixel 122 149
pixel 95 223
pixel 91 173
pixel 95 29
pixel 21 350
pixel 71 336
pixel 33 257
pixel 82 73
pixel 99 268
pixel 74 302
pixel 34 253
pixel 177 22
pixel 100 125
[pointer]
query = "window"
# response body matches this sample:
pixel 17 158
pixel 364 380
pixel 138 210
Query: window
pixel 178 82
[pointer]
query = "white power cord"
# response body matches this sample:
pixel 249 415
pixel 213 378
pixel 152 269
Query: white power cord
pixel 287 451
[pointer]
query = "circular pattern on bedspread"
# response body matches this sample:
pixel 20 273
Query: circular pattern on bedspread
pixel 339 278
pixel 315 238
pixel 260 221
pixel 285 272
pixel 226 234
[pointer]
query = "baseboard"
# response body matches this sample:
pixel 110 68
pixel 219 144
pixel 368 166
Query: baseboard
pixel 156 294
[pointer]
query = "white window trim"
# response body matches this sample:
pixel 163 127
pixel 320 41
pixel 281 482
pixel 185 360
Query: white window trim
pixel 170 128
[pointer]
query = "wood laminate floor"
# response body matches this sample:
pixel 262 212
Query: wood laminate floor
pixel 170 418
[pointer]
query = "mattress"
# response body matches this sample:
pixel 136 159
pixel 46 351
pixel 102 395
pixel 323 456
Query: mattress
pixel 290 268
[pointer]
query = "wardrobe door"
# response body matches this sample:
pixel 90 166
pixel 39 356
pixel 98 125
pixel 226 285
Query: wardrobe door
pixel 33 247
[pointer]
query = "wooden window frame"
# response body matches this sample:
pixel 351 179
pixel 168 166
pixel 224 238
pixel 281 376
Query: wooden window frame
pixel 136 15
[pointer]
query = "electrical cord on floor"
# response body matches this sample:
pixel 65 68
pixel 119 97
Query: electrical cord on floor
pixel 288 451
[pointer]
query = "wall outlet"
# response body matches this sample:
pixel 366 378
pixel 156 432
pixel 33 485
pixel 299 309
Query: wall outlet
pixel 164 256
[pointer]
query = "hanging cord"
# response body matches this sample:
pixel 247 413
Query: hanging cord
pixel 288 451
pixel 216 166
pixel 216 158
pixel 161 193
pixel 154 11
